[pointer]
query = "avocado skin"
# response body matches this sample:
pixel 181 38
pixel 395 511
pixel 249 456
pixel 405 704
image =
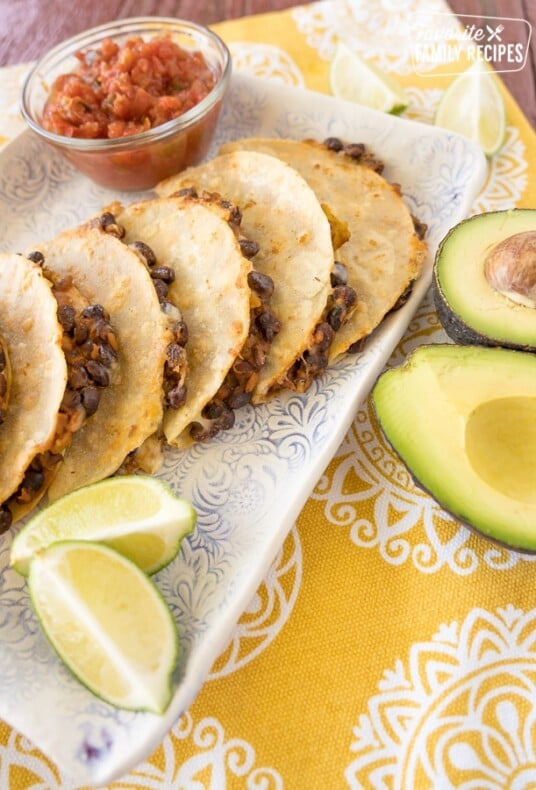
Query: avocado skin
pixel 453 323
pixel 462 333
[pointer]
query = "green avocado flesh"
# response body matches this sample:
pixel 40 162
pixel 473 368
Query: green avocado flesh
pixel 463 420
pixel 470 309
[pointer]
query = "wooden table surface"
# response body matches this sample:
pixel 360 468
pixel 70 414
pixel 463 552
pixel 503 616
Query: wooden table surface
pixel 29 27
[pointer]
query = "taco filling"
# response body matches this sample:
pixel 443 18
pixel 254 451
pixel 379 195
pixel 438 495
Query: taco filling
pixel 89 348
pixel 5 378
pixel 225 300
pixel 281 213
pixel 383 250
pixel 176 364
pixel 131 407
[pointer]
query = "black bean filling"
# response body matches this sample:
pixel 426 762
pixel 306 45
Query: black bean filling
pixel 239 383
pixel 90 349
pixel 237 388
pixel 162 276
pixel 314 361
pixel 358 152
pixel 4 385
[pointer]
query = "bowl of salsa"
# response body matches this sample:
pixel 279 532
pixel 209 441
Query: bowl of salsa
pixel 132 101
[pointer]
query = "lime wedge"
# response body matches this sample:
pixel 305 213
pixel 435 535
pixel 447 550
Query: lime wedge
pixel 137 515
pixel 107 621
pixel 356 80
pixel 473 106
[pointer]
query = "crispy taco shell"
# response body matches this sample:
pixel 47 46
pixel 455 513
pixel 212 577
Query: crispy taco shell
pixel 131 407
pixel 194 239
pixel 33 337
pixel 383 255
pixel 281 213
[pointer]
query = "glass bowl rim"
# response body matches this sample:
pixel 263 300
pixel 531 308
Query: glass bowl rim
pixel 129 25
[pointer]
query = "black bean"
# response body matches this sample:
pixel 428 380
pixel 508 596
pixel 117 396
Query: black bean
pixel 403 298
pixel 333 144
pixel 243 369
pixel 344 295
pixel 339 275
pixel 33 479
pixel 144 252
pixel 66 317
pixel 164 273
pixel 95 311
pixel 161 289
pixel 357 347
pixel 212 410
pixel 78 377
pixel 176 396
pixel 81 332
pixel 110 225
pixel 238 398
pixel 180 330
pixel 90 400
pixel 36 257
pixel 260 283
pixel 235 217
pixel 323 336
pixel 3 386
pixel 187 192
pixel 355 150
pixel 248 248
pixel 72 400
pixel 268 325
pixel 6 519
pixel 98 372
pixel 2 359
pixel 226 421
pixel 196 430
pixel 335 317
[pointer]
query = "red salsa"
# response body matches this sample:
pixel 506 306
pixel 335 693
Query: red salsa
pixel 117 90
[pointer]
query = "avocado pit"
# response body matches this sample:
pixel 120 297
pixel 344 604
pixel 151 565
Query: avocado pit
pixel 484 280
pixel 510 268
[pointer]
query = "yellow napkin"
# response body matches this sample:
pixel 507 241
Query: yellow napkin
pixel 388 646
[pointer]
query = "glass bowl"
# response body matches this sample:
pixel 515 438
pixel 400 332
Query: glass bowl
pixel 141 160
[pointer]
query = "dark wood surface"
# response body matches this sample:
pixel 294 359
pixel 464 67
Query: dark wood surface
pixel 29 27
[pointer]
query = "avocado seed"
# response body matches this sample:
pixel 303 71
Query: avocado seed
pixel 510 268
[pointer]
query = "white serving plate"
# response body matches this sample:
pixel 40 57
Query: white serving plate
pixel 250 483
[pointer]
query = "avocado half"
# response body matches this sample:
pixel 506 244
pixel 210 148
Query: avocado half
pixel 463 420
pixel 484 281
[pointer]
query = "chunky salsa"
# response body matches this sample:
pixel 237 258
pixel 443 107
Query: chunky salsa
pixel 118 91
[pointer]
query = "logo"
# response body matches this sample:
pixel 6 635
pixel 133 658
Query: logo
pixel 440 40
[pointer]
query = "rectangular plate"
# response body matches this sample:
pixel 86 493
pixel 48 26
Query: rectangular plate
pixel 250 483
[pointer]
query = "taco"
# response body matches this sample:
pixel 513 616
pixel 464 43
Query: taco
pixel 384 253
pixel 56 377
pixel 5 378
pixel 224 301
pixel 281 214
pixel 131 407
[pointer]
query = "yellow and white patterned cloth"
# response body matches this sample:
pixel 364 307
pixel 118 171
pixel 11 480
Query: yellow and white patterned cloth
pixel 388 647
